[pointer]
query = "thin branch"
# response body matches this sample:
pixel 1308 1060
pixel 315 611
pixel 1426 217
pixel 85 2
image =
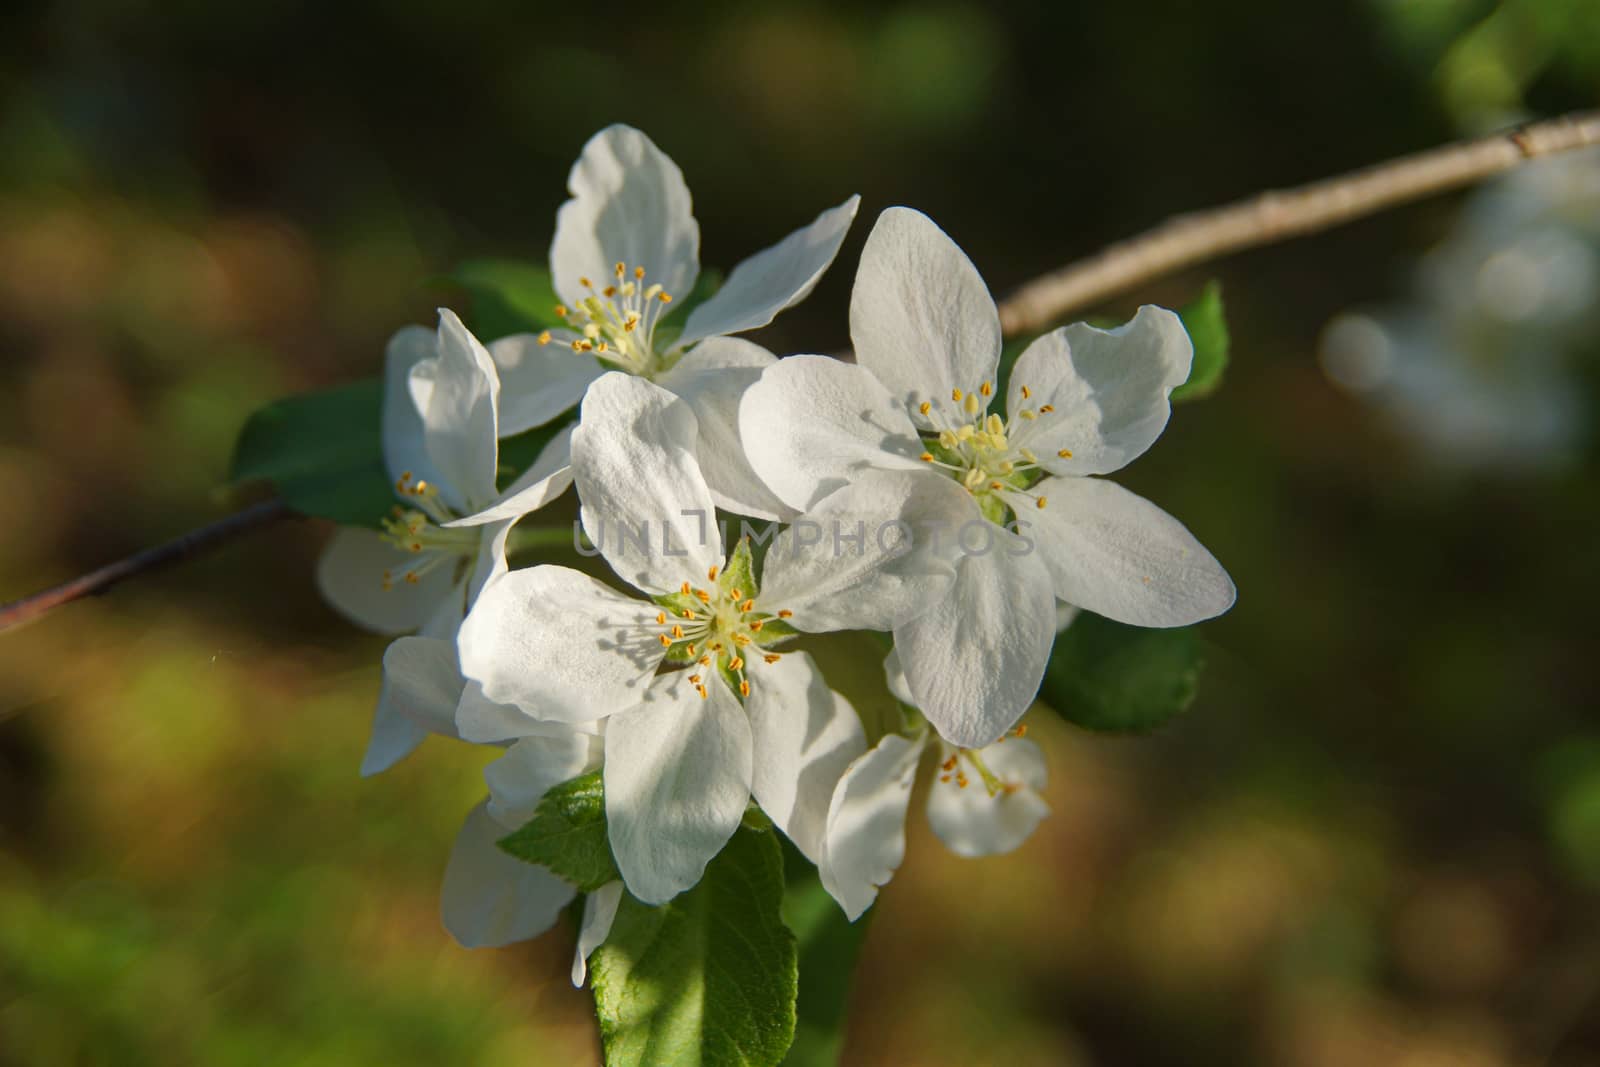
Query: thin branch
pixel 1180 242
pixel 189 545
pixel 1278 215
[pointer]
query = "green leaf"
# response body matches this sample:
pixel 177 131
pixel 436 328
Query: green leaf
pixel 707 979
pixel 829 944
pixel 567 834
pixel 506 296
pixel 1207 324
pixel 323 451
pixel 1121 679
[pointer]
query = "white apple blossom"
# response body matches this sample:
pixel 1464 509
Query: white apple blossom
pixel 627 245
pixel 981 802
pixel 447 537
pixel 1027 521
pixel 686 749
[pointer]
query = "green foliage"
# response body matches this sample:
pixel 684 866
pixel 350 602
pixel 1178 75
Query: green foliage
pixel 829 944
pixel 707 979
pixel 1106 676
pixel 506 296
pixel 323 451
pixel 568 834
pixel 1207 324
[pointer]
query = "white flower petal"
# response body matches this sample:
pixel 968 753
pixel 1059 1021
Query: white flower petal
pixel 630 205
pixel 599 912
pixel 405 449
pixel 519 779
pixel 805 735
pixel 894 677
pixel 394 737
pixel 546 479
pixel 560 645
pixel 1109 388
pixel 492 899
pixel 461 393
pixel 491 561
pixel 482 721
pixel 921 318
pixel 773 279
pixel 975 660
pixel 712 379
pixel 971 822
pixel 677 776
pixel 866 835
pixel 812 423
pixel 539 381
pixel 350 575
pixel 633 458
pixel 1118 555
pixel 870 556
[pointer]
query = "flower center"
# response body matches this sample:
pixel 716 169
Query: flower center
pixel 419 530
pixel 715 629
pixel 953 771
pixel 618 322
pixel 982 451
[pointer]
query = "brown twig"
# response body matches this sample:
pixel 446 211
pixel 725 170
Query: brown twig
pixel 1281 214
pixel 1179 242
pixel 190 544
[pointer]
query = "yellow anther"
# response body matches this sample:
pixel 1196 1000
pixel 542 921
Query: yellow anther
pixel 961 780
pixel 744 688
pixel 996 486
pixel 665 298
pixel 965 433
pixel 609 291
pixel 1026 392
pixel 756 625
pixel 771 657
pixel 785 614
pixel 586 283
pixel 415 546
pixel 638 272
pixel 735 594
pixel 684 589
pixel 995 424
pixel 944 778
pixel 705 661
pixel 631 323
pixel 704 596
pixel 601 346
pixel 741 640
pixel 987 389
pixel 712 573
pixel 544 337
pixel 701 690
pixel 591 331
pixel 1021 730
pixel 677 631
pixel 972 405
pixel 924 407
pixel 561 311
pixel 748 605
pixel 927 457
pixel 736 663
pixel 949 764
pixel 1027 414
pixel 689 649
pixel 666 642
pixel 947 439
pixel 1045 409
pixel 1041 502
pixel 1065 453
pixel 411 577
pixel 694 678
pixel 686 613
pixel 661 618
pixel 577 346
pixel 621 269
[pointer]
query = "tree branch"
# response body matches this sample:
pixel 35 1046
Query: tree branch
pixel 190 544
pixel 1177 243
pixel 1278 215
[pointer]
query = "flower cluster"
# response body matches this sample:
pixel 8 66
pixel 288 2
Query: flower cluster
pixel 898 494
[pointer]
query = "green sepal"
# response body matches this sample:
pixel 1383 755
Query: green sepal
pixel 567 834
pixel 739 573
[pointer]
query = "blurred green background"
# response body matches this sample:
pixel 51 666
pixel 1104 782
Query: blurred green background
pixel 1375 839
